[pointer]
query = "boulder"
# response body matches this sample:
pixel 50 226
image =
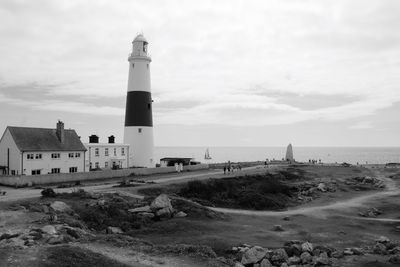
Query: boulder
pixel 253 255
pixel 114 230
pixel 348 252
pixel 379 248
pixel 321 187
pixel 357 251
pixel 395 250
pixel 60 206
pixel 294 260
pixel 383 239
pixel 73 232
pixel 338 254
pixel 161 202
pixel 279 255
pixel 307 247
pixel 322 259
pixel 265 263
pixel 164 212
pixel 180 214
pixel 278 228
pixel 49 229
pixel 140 209
pixel 305 257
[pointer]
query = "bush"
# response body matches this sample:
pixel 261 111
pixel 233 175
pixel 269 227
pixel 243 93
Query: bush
pixel 249 192
pixel 48 192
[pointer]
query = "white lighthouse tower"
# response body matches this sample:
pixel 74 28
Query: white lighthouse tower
pixel 138 113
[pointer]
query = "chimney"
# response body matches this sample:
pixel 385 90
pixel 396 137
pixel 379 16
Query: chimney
pixel 60 131
pixel 93 139
pixel 111 139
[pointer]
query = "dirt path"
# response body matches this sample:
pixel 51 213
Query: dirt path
pixel 323 210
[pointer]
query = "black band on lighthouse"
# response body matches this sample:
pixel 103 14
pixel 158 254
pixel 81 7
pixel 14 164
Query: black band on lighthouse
pixel 138 109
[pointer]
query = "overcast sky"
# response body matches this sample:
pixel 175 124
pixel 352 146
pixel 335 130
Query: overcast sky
pixel 224 73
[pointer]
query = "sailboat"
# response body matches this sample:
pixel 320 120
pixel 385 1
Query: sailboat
pixel 207 154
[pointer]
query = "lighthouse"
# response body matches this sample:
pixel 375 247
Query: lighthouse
pixel 138 132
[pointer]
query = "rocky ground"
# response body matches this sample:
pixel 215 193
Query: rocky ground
pixel 335 216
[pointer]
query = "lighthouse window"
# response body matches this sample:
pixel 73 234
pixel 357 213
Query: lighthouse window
pixel 133 65
pixel 147 66
pixel 140 130
pixel 148 105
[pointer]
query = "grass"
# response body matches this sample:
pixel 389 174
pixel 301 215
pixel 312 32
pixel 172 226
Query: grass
pixel 257 192
pixel 67 256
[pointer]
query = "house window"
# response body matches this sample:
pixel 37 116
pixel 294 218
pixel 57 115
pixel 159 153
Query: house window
pixel 96 152
pixel 77 155
pixel 29 156
pixel 55 155
pixel 38 156
pixel 35 172
pixel 106 152
pixel 96 165
pixel 115 151
pixel 106 164
pixel 70 155
pixel 73 169
pixel 140 130
pixel 122 151
pixel 55 170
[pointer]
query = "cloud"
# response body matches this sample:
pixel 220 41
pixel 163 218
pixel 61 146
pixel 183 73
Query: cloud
pixel 331 60
pixel 63 106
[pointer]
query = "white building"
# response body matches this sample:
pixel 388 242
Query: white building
pixel 35 151
pixel 106 155
pixel 138 132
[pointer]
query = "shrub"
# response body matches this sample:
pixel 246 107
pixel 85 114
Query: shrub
pixel 48 192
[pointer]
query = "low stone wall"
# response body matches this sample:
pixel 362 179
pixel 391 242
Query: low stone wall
pixel 31 180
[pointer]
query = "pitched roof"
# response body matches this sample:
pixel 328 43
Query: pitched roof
pixel 42 139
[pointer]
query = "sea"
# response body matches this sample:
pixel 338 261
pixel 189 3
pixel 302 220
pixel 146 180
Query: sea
pixel 353 155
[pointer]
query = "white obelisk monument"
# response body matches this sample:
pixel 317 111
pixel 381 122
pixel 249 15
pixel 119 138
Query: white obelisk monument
pixel 289 153
pixel 138 113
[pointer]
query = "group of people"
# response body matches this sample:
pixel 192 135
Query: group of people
pixel 314 161
pixel 231 167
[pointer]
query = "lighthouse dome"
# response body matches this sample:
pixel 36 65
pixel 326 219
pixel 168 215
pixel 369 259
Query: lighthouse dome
pixel 140 38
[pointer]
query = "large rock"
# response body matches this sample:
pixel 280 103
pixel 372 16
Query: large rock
pixel 49 229
pixel 253 255
pixel 305 257
pixel 114 230
pixel 322 259
pixel 140 209
pixel 294 260
pixel 279 256
pixel 161 206
pixel 380 248
pixel 321 187
pixel 307 247
pixel 60 206
pixel 265 263
pixel 180 214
